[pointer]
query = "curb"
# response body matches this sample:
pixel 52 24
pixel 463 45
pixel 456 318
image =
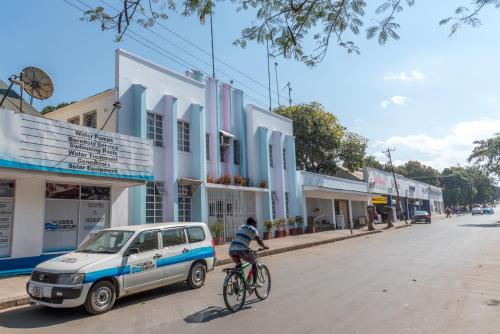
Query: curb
pixel 302 246
pixel 402 226
pixel 15 301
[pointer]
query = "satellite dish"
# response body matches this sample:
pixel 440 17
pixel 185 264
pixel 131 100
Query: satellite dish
pixel 37 83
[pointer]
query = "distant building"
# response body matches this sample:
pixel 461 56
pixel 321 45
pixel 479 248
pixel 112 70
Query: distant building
pixel 13 101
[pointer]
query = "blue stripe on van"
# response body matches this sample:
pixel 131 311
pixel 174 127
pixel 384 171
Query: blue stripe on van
pixel 195 254
pixel 109 272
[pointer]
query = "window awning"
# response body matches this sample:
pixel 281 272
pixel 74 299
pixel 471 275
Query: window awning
pixel 194 183
pixel 226 134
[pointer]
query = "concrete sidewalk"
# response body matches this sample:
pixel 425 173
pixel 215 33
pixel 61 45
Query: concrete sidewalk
pixel 13 289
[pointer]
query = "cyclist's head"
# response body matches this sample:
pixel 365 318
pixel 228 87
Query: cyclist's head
pixel 252 222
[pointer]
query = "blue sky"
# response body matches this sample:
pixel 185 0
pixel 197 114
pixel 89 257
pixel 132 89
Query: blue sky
pixel 427 95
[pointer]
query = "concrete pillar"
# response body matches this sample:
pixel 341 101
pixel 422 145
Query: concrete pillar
pixel 334 215
pixel 199 162
pixel 264 169
pixel 171 202
pixel 351 224
pixel 137 195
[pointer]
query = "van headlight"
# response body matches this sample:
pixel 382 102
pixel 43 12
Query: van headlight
pixel 70 279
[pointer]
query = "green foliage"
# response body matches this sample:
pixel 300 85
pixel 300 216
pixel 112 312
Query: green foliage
pixel 371 161
pixel 486 155
pixel 302 30
pixel 268 225
pixel 416 170
pixel 217 229
pixel 321 143
pixel 466 186
pixel 48 109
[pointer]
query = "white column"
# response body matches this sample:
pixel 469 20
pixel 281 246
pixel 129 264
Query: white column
pixel 350 214
pixel 119 206
pixel 333 209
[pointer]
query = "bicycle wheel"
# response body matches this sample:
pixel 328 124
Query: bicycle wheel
pixel 264 278
pixel 234 291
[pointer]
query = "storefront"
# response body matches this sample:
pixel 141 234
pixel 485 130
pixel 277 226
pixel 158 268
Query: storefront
pixel 332 202
pixel 60 183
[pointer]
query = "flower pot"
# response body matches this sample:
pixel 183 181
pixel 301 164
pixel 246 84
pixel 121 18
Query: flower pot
pixel 311 229
pixel 299 231
pixel 277 234
pixel 267 235
pixel 284 233
pixel 219 240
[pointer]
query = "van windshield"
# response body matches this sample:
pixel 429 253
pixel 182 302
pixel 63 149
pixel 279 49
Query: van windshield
pixel 107 242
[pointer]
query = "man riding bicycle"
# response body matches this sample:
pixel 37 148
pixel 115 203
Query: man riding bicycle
pixel 240 250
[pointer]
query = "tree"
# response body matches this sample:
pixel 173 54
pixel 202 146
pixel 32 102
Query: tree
pixel 48 109
pixel 371 161
pixel 466 186
pixel 321 143
pixel 289 25
pixel 415 170
pixel 486 155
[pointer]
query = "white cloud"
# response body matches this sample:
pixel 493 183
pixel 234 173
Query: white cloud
pixel 450 149
pixel 492 100
pixel 399 101
pixel 414 75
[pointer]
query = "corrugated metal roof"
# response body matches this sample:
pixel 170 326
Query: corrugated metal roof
pixel 12 102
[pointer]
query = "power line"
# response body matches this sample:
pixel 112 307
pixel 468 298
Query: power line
pixel 167 54
pixel 192 55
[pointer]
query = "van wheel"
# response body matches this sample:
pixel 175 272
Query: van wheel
pixel 197 275
pixel 101 298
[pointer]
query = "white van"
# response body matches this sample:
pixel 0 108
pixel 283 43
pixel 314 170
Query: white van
pixel 117 262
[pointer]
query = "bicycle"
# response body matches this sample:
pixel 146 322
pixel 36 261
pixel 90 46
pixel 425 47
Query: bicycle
pixel 238 283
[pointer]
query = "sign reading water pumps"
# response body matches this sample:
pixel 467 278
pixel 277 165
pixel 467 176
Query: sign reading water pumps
pixel 36 143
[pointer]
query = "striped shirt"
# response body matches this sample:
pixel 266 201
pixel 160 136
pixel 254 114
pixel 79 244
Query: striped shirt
pixel 244 235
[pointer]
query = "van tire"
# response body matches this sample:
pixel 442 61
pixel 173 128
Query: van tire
pixel 197 275
pixel 100 298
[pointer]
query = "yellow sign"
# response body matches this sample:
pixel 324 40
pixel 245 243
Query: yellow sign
pixel 379 200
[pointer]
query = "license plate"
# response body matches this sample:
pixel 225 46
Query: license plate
pixel 36 290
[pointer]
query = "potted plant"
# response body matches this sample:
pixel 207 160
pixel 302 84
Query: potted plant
pixel 217 232
pixel 225 179
pixel 277 228
pixel 263 184
pixel 291 225
pixel 239 180
pixel 268 226
pixel 210 179
pixel 311 224
pixel 299 221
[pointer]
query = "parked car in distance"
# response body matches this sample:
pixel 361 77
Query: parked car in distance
pixel 121 261
pixel 421 216
pixel 477 211
pixel 488 211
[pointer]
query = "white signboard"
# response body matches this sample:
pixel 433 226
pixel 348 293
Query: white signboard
pixel 94 216
pixel 6 212
pixel 31 142
pixel 60 228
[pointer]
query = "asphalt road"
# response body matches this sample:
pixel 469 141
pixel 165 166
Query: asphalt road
pixel 438 278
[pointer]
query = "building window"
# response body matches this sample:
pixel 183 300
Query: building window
pixel 271 163
pixel 154 201
pixel 273 203
pixel 225 142
pixel 183 143
pixel 90 120
pixel 237 152
pixel 74 120
pixel 207 145
pixel 284 159
pixel 6 216
pixel 184 196
pixel 154 129
pixel 286 204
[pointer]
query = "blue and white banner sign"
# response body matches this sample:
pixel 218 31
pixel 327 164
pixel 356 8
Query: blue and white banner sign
pixel 36 143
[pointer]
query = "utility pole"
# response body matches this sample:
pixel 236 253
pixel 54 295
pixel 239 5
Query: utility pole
pixel 398 206
pixel 289 86
pixel 268 73
pixel 277 85
pixel 212 41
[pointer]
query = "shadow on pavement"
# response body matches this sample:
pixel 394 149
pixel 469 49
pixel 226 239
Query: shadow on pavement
pixel 480 225
pixel 36 316
pixel 493 302
pixel 214 312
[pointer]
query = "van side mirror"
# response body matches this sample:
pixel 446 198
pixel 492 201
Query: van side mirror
pixel 132 251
